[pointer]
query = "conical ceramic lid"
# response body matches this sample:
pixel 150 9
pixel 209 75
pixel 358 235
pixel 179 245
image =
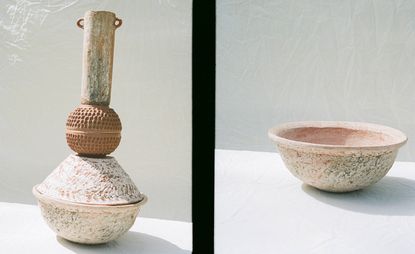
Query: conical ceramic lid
pixel 90 181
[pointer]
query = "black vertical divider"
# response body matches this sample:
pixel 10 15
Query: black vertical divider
pixel 203 125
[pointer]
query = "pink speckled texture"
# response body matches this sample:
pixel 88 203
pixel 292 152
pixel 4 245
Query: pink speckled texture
pixel 90 181
pixel 87 224
pixel 337 156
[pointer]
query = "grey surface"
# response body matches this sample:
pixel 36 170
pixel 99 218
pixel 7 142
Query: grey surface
pixel 280 61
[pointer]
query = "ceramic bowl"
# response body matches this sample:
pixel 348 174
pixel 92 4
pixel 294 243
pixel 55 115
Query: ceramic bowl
pixel 87 224
pixel 337 156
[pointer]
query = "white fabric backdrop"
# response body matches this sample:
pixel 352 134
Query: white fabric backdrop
pixel 40 83
pixel 284 60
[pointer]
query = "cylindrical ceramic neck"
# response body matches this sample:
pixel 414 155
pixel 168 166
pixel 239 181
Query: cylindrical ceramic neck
pixel 99 30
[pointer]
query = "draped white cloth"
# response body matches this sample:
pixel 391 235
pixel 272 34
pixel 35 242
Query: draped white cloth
pixel 261 208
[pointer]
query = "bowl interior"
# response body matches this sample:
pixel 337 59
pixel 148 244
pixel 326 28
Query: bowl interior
pixel 338 134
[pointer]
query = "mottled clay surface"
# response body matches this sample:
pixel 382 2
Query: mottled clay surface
pixel 90 180
pixel 337 156
pixel 98 54
pixel 337 172
pixel 93 130
pixel 88 224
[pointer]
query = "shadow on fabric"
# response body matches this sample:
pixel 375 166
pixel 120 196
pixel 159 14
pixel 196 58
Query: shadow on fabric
pixel 130 242
pixel 390 196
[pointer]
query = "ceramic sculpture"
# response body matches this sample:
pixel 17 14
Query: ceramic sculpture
pixel 89 198
pixel 337 156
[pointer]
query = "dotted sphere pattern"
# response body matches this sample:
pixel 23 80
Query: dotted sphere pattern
pixel 93 131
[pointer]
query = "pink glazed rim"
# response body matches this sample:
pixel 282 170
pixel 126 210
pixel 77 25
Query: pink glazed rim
pixel 396 137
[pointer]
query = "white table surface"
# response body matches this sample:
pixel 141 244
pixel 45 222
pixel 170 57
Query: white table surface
pixel 261 208
pixel 22 230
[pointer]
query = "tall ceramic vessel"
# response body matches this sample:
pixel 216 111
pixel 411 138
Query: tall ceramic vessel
pixel 89 198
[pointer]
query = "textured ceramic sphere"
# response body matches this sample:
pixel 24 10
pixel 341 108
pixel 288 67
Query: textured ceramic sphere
pixel 93 130
pixel 337 156
pixel 87 224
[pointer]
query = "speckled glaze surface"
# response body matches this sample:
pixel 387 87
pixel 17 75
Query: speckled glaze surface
pixel 90 181
pixel 87 224
pixel 337 156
